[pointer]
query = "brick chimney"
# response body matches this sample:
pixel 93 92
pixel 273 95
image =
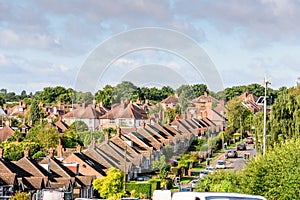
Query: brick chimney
pixel 59 149
pixel 78 148
pixel 26 152
pixel 51 153
pixel 143 124
pixel 106 139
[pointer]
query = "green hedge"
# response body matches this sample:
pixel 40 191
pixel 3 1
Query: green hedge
pixel 144 188
pixel 155 185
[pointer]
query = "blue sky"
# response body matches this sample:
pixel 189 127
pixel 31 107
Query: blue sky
pixel 45 43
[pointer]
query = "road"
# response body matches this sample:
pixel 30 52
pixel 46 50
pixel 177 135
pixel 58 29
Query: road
pixel 239 163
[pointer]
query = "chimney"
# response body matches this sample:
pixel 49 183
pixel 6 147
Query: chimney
pixel 143 124
pixel 118 131
pixel 83 105
pixel 30 123
pixel 101 104
pixel 168 120
pixel 93 143
pixel 146 101
pixel 26 152
pixel 59 104
pixel 177 117
pixel 106 137
pixel 5 107
pixel 78 148
pixel 1 152
pixel 59 149
pixel 51 153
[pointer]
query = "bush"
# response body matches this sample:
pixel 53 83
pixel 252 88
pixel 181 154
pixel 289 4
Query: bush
pixel 139 188
pixel 39 154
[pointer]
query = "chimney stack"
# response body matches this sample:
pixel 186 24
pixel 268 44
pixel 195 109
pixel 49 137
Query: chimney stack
pixel 51 153
pixel 59 149
pixel 78 148
pixel 26 152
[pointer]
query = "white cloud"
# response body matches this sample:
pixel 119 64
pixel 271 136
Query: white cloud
pixel 4 60
pixel 8 38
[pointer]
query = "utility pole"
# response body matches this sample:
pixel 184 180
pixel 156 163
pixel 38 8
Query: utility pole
pixel 266 82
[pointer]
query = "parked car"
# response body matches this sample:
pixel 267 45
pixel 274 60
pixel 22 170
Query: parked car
pixel 143 178
pixel 231 154
pixel 220 164
pixel 249 140
pixel 203 173
pixel 241 146
pixel 194 183
pixel 210 169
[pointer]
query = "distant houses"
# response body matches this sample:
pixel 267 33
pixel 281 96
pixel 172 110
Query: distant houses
pixel 140 139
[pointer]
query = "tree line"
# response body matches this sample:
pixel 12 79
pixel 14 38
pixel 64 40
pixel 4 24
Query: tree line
pixel 109 94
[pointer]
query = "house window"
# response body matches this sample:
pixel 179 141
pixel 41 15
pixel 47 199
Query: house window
pixel 112 121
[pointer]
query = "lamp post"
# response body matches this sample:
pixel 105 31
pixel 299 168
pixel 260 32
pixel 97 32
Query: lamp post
pixel 266 82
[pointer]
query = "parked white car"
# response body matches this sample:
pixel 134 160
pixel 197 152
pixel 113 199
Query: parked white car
pixel 220 164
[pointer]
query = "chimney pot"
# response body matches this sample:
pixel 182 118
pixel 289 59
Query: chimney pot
pixel 1 152
pixel 51 153
pixel 26 152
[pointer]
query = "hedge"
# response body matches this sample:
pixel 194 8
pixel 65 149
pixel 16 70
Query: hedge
pixel 143 188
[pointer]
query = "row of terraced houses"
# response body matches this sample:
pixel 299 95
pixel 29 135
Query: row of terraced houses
pixel 140 139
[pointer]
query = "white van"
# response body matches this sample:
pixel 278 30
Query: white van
pixel 214 196
pixel 162 195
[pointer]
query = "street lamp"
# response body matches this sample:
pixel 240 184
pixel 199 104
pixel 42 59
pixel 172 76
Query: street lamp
pixel 266 82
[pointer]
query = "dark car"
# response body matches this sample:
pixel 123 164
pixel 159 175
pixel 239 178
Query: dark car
pixel 249 140
pixel 241 146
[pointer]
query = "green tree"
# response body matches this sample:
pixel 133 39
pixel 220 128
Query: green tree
pixel 199 89
pixel 105 95
pixel 110 186
pixel 20 196
pixel 123 91
pixel 34 112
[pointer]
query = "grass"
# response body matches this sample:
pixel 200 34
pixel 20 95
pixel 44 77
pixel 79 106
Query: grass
pixel 186 180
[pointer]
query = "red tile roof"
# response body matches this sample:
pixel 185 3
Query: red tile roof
pixel 125 110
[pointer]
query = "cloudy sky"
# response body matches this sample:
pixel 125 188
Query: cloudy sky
pixel 47 42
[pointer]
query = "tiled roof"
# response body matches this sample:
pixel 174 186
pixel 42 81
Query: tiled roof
pixel 89 112
pixel 32 167
pixel 61 125
pixel 91 162
pixel 33 183
pixel 7 166
pixel 170 99
pixel 5 132
pixel 8 178
pixel 125 110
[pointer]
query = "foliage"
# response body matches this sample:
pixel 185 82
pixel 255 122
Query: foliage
pixel 14 150
pixel 20 196
pixel 110 186
pixel 285 115
pixel 275 175
pixel 221 181
pixel 236 114
pixel 34 112
pixel 105 95
pixel 139 188
pixel 47 136
pixel 38 154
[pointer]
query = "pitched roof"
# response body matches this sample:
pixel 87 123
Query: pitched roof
pixel 170 99
pixel 5 132
pixel 125 110
pixel 7 166
pixel 61 125
pixel 89 112
pixel 32 167
pixel 91 162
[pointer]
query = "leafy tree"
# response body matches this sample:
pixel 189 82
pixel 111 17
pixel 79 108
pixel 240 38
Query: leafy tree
pixel 275 175
pixel 38 155
pixel 2 100
pixel 14 150
pixel 34 112
pixel 47 136
pixel 222 181
pixel 110 186
pixel 123 91
pixel 105 95
pixel 199 89
pixel 236 113
pixel 20 196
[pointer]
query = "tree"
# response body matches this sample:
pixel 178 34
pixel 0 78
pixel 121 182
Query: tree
pixel 199 89
pixel 123 91
pixel 34 112
pixel 105 95
pixel 47 136
pixel 110 186
pixel 20 196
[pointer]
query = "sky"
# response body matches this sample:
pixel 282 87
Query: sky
pixel 70 43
